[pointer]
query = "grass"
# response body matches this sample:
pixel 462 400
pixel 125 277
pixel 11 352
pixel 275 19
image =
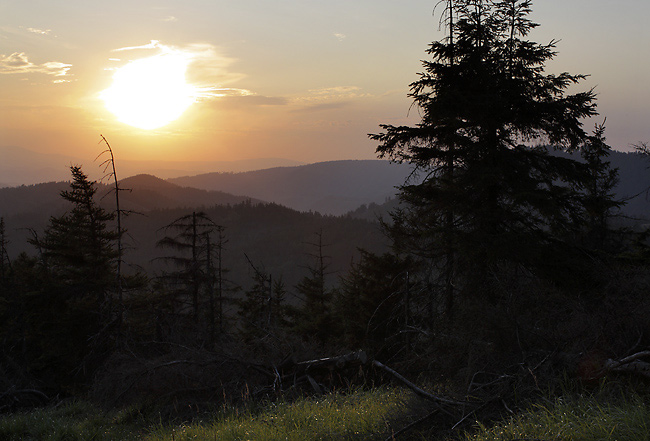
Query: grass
pixel 585 418
pixel 75 421
pixel 360 416
pixel 364 415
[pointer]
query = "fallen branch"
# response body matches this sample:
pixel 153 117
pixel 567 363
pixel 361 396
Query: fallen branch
pixel 422 393
pixel 340 362
pixel 629 365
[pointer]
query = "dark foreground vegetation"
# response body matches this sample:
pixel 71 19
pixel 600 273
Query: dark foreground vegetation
pixel 508 279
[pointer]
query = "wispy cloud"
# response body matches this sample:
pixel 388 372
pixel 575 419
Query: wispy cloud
pixel 336 91
pixel 170 19
pixel 328 98
pixel 153 44
pixel 207 68
pixel 219 92
pixel 339 36
pixel 252 100
pixel 39 31
pixel 18 63
pixel 317 107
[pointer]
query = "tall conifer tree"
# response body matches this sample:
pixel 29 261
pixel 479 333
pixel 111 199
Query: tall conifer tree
pixel 487 199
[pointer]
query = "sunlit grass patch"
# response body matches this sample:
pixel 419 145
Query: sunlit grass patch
pixel 575 419
pixel 362 415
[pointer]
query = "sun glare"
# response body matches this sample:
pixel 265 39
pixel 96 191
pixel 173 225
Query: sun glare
pixel 150 92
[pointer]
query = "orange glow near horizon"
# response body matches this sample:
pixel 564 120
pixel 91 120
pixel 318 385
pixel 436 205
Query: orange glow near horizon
pixel 149 93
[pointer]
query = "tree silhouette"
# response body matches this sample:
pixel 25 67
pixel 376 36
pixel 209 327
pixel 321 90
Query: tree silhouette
pixel 78 245
pixel 372 303
pixel 5 263
pixel 195 261
pixel 599 200
pixel 110 163
pixel 70 319
pixel 488 199
pixel 313 317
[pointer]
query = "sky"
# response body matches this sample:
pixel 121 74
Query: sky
pixel 304 80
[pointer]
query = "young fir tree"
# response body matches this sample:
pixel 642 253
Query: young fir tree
pixel 313 317
pixel 72 320
pixel 78 246
pixel 5 263
pixel 487 200
pixel 191 238
pixel 262 308
pixel 372 303
pixel 599 201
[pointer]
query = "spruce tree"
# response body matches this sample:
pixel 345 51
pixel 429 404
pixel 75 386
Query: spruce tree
pixel 190 236
pixel 72 322
pixel 5 263
pixel 599 201
pixel 371 305
pixel 487 200
pixel 261 309
pixel 313 317
pixel 78 246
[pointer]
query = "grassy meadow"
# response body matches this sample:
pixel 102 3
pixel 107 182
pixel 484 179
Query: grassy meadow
pixel 364 415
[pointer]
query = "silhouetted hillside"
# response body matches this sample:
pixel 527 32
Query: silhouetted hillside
pixel 30 206
pixel 275 238
pixel 327 187
pixel 145 193
pixel 150 193
pixel 341 187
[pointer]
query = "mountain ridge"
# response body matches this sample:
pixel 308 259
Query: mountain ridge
pixel 331 187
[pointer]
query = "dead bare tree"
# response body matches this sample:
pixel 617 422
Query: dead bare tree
pixel 109 165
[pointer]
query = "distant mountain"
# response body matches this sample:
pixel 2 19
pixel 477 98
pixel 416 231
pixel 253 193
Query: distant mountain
pixel 341 187
pixel 334 187
pixel 170 169
pixel 20 166
pixel 148 193
pixel 275 238
pixel 30 206
pixel 141 193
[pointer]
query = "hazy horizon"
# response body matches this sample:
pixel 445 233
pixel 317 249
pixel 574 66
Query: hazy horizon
pixel 301 81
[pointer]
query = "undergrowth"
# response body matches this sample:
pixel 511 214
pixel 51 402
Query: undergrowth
pixel 577 418
pixel 363 415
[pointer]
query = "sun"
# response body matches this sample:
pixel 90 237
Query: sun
pixel 150 92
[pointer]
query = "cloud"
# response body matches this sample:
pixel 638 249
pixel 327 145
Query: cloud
pixel 208 70
pixel 339 36
pixel 18 63
pixel 207 67
pixel 328 98
pixel 170 19
pixel 337 90
pixel 39 31
pixel 255 100
pixel 219 92
pixel 153 44
pixel 324 106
